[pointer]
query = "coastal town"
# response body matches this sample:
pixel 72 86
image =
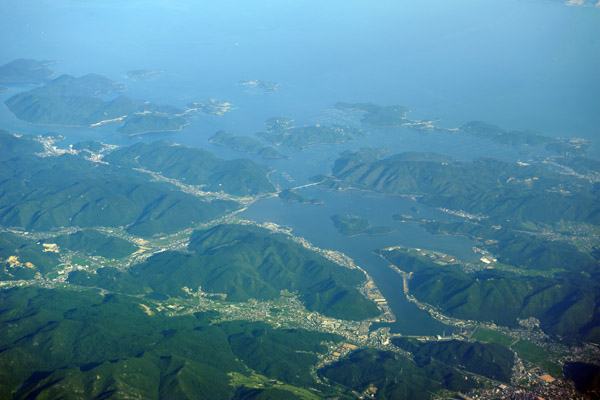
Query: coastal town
pixel 529 378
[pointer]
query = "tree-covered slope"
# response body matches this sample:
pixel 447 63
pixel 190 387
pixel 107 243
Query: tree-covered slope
pixel 95 243
pixel 145 123
pixel 378 116
pixel 246 144
pixel 566 304
pixel 12 146
pixel 45 193
pixel 487 359
pixel 507 193
pixel 244 262
pixel 281 131
pixel 26 71
pixel 196 167
pixel 286 355
pixel 23 259
pixel 519 249
pixel 77 344
pixel 395 376
pixel 89 101
pixel 349 225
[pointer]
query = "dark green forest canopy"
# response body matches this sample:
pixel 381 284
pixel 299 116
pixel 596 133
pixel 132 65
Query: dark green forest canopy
pixel 243 262
pixel 196 167
pixel 22 259
pixel 487 359
pixel 566 305
pixel 507 193
pixel 95 243
pixel 395 376
pixel 521 250
pixel 54 343
pixel 45 193
pixel 354 226
pixel 245 144
pixel 89 101
pixel 282 132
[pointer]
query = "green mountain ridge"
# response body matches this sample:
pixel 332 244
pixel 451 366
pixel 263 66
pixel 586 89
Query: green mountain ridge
pixel 77 344
pixel 567 305
pixel 245 144
pixel 395 376
pixel 378 116
pixel 26 71
pixel 23 259
pixel 487 359
pixel 195 166
pixel 355 226
pixel 83 102
pixel 243 262
pixel 281 132
pixel 504 192
pixel 95 243
pixel 46 193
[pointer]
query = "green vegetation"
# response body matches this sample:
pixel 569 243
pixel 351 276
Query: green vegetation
pixel 67 100
pixel 52 192
pixel 411 260
pixel 581 165
pixel 378 116
pixel 536 355
pixel 245 144
pixel 512 138
pixel 243 262
pixel 146 123
pixel 519 249
pixel 23 258
pixel 286 355
pixel 71 101
pixel 26 71
pixel 195 166
pixel 89 146
pixel 490 360
pixel 395 376
pixel 569 147
pixel 282 132
pixel 260 387
pixel 78 260
pixel 55 343
pixel 95 243
pixel 292 196
pixel 506 193
pixel 525 138
pixel 355 226
pixel 566 304
pixel 489 336
pixel 12 146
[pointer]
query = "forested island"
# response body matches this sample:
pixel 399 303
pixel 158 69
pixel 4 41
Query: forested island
pixel 281 132
pixel 349 225
pixel 245 144
pixel 292 196
pixel 93 100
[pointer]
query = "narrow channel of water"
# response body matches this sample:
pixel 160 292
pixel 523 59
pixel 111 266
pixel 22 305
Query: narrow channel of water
pixel 313 222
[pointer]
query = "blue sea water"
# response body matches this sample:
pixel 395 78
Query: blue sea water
pixel 519 64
